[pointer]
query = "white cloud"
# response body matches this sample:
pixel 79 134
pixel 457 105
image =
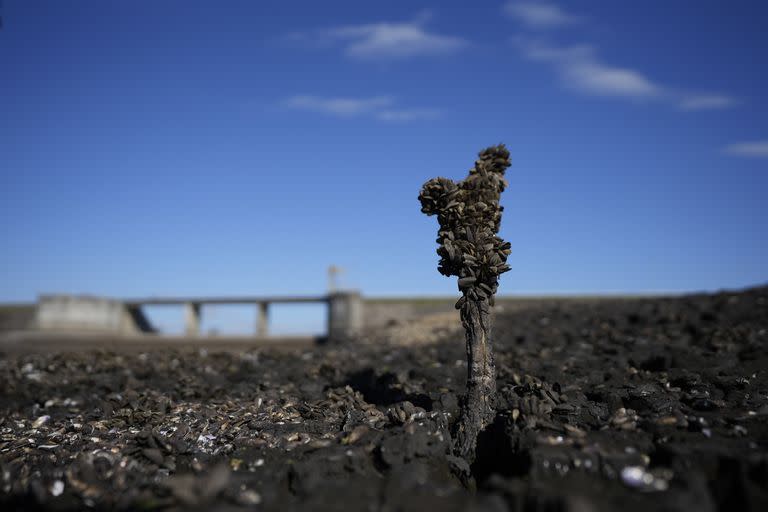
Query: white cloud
pixel 406 115
pixel 580 69
pixel 707 102
pixel 383 108
pixel 757 149
pixel 343 107
pixel 597 78
pixel 393 41
pixel 540 15
pixel 383 40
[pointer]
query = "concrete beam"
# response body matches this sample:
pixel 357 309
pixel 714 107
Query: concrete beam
pixel 159 301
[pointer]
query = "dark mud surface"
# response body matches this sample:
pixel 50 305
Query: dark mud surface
pixel 626 404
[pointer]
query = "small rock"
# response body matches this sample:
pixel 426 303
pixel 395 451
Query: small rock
pixel 703 404
pixel 356 434
pixel 153 454
pixel 57 488
pixel 249 497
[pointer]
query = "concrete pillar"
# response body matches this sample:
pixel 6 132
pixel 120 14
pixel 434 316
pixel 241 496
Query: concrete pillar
pixel 192 320
pixel 262 320
pixel 345 315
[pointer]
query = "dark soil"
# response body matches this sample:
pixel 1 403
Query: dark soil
pixel 604 405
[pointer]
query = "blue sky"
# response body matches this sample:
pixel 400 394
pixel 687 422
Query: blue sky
pixel 217 148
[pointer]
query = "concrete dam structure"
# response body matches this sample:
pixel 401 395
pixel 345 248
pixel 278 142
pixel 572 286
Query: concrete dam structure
pixel 71 313
pixel 348 315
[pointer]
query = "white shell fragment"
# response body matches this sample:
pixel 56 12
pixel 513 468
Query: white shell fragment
pixel 42 420
pixel 639 478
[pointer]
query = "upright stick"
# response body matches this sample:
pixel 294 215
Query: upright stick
pixel 469 215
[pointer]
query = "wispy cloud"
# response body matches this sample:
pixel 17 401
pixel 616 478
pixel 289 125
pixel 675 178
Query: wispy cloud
pixel 406 115
pixel 394 41
pixel 383 108
pixel 385 40
pixel 342 107
pixel 755 149
pixel 580 69
pixel 707 102
pixel 540 15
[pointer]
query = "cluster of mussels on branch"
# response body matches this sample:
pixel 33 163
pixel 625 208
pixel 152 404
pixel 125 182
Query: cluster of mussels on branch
pixel 469 215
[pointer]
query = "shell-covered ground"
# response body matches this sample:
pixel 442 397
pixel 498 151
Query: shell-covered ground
pixel 641 404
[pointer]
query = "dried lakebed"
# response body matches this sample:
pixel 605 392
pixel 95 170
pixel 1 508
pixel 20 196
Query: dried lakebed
pixel 639 404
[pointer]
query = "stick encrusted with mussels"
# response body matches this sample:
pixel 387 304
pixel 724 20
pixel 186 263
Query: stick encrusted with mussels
pixel 469 215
